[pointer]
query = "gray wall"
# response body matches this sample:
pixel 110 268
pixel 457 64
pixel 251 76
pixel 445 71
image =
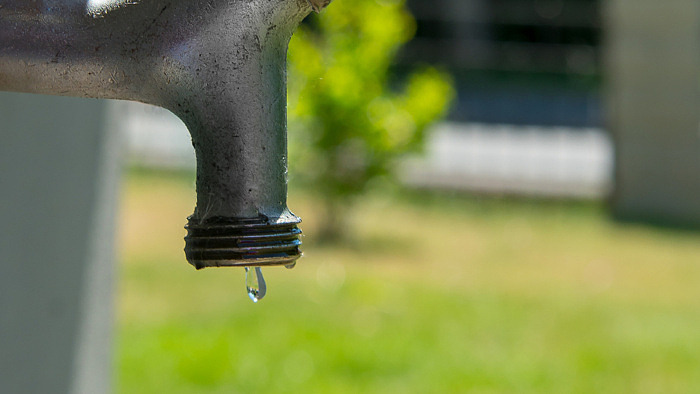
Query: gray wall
pixel 653 77
pixel 58 178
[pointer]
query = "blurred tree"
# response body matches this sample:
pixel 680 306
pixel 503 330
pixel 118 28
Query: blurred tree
pixel 348 126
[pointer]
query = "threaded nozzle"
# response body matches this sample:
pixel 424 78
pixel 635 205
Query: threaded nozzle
pixel 230 242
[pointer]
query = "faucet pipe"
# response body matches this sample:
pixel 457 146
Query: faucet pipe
pixel 219 65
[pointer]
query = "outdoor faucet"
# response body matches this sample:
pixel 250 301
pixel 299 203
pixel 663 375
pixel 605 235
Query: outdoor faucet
pixel 219 65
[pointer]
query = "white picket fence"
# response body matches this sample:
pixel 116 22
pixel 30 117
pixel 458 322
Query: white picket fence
pixel 520 160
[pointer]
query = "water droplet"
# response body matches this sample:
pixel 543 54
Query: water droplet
pixel 255 284
pixel 290 265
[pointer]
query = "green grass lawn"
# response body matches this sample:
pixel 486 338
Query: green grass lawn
pixel 432 293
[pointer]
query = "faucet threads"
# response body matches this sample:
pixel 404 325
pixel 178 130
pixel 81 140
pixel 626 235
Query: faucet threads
pixel 230 242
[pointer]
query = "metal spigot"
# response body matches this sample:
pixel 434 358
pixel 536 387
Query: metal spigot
pixel 219 65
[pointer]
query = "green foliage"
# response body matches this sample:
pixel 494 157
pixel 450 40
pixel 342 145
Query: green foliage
pixel 347 125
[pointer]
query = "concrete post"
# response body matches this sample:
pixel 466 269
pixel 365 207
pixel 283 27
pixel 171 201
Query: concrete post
pixel 653 83
pixel 58 178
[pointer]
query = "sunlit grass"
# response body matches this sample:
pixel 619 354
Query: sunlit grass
pixel 432 293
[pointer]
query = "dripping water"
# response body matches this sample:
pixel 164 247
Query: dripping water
pixel 255 283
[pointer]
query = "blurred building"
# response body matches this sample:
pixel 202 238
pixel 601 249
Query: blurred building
pixel 528 114
pixel 539 63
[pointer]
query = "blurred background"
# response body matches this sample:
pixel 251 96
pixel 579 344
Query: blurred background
pixel 482 256
pixel 498 196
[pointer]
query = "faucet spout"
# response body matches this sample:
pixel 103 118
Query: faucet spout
pixel 219 65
